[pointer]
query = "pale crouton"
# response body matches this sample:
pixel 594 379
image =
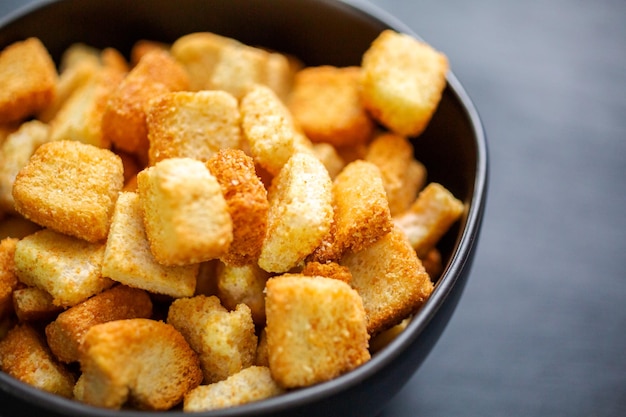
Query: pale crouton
pixel 24 356
pixel 328 270
pixel 224 340
pixel 316 329
pixel 300 213
pixel 29 80
pixel 67 268
pixel 403 176
pixel 279 73
pixel 326 103
pixel 329 156
pixel 254 383
pixel 15 152
pixel 268 127
pixel 8 279
pixel 34 304
pixel 128 259
pixel 78 53
pixel 403 81
pixel 247 202
pixel 185 214
pixel 390 279
pixel 429 217
pixel 145 362
pixel 124 119
pixel 192 124
pixel 67 332
pixel 70 187
pixel 238 68
pixel 243 285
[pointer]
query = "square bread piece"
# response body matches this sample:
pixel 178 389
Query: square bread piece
pixel 128 259
pixel 70 187
pixel 185 213
pixel 33 304
pixel 316 329
pixel 29 80
pixel 403 81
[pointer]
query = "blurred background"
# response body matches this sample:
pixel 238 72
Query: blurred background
pixel 541 327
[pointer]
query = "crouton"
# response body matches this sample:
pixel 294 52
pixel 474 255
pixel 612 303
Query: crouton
pixel 8 279
pixel 429 217
pixel 128 259
pixel 403 176
pixel 243 285
pixel 143 47
pixel 145 362
pixel 247 202
pixel 300 213
pixel 185 214
pixel 316 329
pixel 224 340
pixel 238 68
pixel 254 383
pixel 403 81
pixel 192 124
pixel 326 103
pixel 32 304
pixel 70 187
pixel 67 332
pixel 24 356
pixel 29 80
pixel 66 267
pixel 15 153
pixel 328 270
pixel 329 156
pixel 390 279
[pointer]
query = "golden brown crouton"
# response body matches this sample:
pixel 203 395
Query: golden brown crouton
pixel 70 187
pixel 145 362
pixel 67 268
pixel 67 332
pixel 8 279
pixel 34 304
pixel 429 217
pixel 300 213
pixel 192 124
pixel 247 202
pixel 390 279
pixel 143 47
pixel 254 383
pixel 29 80
pixel 24 356
pixel 224 340
pixel 403 176
pixel 184 211
pixel 128 259
pixel 403 81
pixel 328 270
pixel 316 329
pixel 243 285
pixel 326 103
pixel 238 68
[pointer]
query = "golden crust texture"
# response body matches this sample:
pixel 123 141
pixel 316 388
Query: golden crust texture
pixel 8 279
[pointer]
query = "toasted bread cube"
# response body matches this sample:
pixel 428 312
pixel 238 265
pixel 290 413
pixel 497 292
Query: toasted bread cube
pixel 326 103
pixel 390 279
pixel 328 270
pixel 243 285
pixel 279 74
pixel 238 68
pixel 124 119
pixel 15 152
pixel 300 213
pixel 254 383
pixel 247 202
pixel 128 259
pixel 34 304
pixel 24 356
pixel 78 53
pixel 403 81
pixel 224 340
pixel 316 329
pixel 113 59
pixel 192 124
pixel 185 214
pixel 8 279
pixel 143 47
pixel 29 80
pixel 67 268
pixel 67 332
pixel 17 227
pixel 403 176
pixel 146 362
pixel 430 217
pixel 70 187
pixel 361 212
pixel 268 127
pixel 329 156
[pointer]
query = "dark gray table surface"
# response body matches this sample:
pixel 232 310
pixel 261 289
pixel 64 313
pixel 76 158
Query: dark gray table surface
pixel 541 327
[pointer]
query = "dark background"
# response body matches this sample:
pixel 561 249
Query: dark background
pixel 541 327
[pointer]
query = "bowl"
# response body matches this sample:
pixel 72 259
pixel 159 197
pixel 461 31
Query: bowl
pixel 453 148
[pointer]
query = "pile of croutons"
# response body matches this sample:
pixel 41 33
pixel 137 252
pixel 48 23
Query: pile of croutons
pixel 206 223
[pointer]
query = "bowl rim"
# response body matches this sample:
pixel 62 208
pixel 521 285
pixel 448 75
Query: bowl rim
pixel 447 281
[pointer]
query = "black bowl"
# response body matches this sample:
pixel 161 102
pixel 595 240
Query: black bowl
pixel 453 148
